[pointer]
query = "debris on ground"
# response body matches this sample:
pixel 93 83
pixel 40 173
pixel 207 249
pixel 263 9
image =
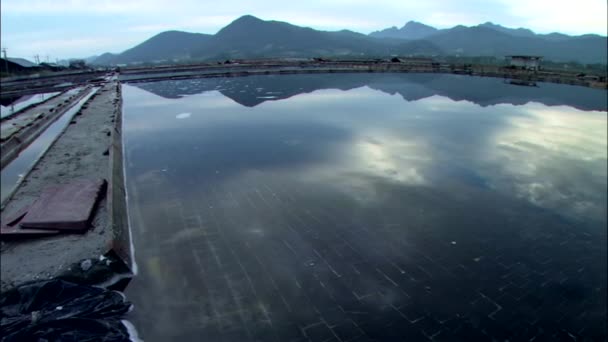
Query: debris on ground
pixel 58 310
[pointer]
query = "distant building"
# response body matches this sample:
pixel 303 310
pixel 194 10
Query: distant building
pixel 412 60
pixel 78 64
pixel 17 65
pixel 525 62
pixel 52 66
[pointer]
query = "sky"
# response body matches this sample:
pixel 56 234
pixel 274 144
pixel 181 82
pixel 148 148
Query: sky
pixel 59 29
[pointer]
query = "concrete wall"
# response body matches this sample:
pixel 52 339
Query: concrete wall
pixel 121 243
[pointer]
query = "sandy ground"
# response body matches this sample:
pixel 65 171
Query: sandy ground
pixel 80 151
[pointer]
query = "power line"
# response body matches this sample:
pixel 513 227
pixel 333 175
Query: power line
pixel 5 60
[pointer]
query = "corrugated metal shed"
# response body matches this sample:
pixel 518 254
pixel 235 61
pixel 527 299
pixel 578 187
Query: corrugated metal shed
pixel 22 62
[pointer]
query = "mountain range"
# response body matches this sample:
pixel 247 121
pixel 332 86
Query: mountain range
pixel 251 37
pixel 484 91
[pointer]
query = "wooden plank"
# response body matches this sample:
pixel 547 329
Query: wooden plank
pixel 65 207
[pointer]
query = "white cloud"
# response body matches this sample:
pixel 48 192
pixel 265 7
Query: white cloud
pixel 580 17
pixel 200 24
pixel 100 7
pixel 328 21
pixel 554 157
pixel 451 19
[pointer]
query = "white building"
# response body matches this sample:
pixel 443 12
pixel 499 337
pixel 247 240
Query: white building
pixel 525 62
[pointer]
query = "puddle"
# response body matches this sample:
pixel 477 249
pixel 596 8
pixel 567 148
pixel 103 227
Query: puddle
pixel 13 105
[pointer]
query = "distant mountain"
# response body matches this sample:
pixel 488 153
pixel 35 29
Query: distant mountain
pixel 411 30
pixel 165 46
pixel 103 59
pixel 524 32
pixel 484 41
pixel 519 32
pixel 489 39
pixel 90 59
pixel 251 37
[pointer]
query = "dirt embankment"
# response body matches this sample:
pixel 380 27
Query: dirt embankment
pixel 89 147
pixel 19 130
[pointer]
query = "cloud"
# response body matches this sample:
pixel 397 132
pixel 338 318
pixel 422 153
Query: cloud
pixel 327 21
pixel 582 17
pixel 137 20
pixel 99 7
pixel 554 157
pixel 81 46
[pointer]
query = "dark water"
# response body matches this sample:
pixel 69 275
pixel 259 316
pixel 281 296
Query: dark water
pixel 367 207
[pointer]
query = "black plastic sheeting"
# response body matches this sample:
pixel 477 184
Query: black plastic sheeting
pixel 58 310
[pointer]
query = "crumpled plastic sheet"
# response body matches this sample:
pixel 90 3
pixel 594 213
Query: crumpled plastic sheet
pixel 58 310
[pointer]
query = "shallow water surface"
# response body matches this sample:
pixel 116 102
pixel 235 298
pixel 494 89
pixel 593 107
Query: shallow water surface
pixel 360 207
pixel 13 105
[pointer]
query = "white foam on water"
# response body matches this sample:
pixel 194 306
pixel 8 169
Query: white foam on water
pixel 133 336
pixel 134 269
pixel 115 279
pixel 183 115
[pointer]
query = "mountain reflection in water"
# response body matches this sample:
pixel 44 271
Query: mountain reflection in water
pixel 484 91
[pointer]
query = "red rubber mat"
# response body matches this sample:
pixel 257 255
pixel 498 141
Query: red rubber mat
pixel 67 207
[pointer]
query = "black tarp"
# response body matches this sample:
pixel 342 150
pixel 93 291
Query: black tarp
pixel 58 310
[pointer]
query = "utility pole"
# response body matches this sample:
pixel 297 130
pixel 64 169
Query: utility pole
pixel 47 58
pixel 5 60
pixel 37 59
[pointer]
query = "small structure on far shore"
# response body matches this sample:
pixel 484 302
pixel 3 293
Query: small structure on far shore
pixel 17 66
pixel 412 60
pixel 78 64
pixel 525 62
